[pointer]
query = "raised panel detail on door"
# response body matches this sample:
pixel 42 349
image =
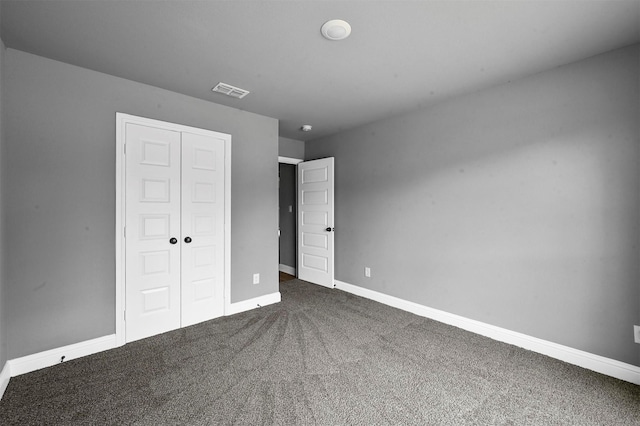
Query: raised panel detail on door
pixel 203 256
pixel 155 262
pixel 315 198
pixel 155 190
pixel 203 192
pixel 202 221
pixel 315 221
pixel 152 218
pixel 204 224
pixel 155 153
pixel 204 158
pixel 154 226
pixel 156 300
pixel 310 240
pixel 203 290
pixel 313 175
pixel 318 263
pixel 315 218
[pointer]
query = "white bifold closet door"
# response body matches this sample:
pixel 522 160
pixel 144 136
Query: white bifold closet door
pixel 174 229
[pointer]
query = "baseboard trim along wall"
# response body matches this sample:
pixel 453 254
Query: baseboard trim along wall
pixel 600 364
pixel 249 304
pixel 29 363
pixel 287 269
pixel 5 375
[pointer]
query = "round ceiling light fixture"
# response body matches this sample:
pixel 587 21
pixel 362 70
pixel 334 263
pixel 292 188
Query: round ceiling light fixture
pixel 335 30
pixel 306 128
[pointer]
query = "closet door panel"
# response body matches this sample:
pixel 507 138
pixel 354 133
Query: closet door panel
pixel 152 219
pixel 202 228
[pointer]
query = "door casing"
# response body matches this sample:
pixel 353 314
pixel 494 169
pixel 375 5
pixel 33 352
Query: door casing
pixel 121 122
pixel 294 162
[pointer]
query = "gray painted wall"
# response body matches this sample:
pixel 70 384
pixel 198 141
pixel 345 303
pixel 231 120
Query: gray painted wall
pixel 60 196
pixel 290 148
pixel 288 219
pixel 3 319
pixel 518 206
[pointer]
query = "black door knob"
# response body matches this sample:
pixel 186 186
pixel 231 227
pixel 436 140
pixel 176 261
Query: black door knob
pixel 173 240
pixel 187 240
pixel 329 229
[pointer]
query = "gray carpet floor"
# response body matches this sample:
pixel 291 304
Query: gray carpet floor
pixel 323 357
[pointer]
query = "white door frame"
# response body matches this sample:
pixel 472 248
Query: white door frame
pixel 289 160
pixel 121 121
pixel 295 162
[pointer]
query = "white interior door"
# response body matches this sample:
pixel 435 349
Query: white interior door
pixel 316 221
pixel 175 228
pixel 202 228
pixel 152 231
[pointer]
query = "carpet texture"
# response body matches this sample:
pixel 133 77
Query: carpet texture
pixel 323 357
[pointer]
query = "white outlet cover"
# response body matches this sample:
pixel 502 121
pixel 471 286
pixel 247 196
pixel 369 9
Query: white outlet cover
pixel 256 278
pixel 636 333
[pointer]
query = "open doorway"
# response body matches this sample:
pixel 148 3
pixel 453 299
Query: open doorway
pixel 287 256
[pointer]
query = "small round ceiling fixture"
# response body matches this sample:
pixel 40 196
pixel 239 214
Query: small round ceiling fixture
pixel 336 29
pixel 306 127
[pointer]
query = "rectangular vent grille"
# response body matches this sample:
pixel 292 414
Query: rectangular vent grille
pixel 227 89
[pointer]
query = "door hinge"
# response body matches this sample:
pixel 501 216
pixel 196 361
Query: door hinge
pixel 125 315
pixel 124 231
pixel 125 149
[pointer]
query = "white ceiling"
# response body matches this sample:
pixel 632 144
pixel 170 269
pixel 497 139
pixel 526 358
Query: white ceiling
pixel 402 55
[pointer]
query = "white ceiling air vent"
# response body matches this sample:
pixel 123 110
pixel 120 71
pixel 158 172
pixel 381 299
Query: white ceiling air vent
pixel 229 90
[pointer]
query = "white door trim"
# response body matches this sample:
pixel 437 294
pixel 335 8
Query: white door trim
pixel 121 121
pixel 289 160
pixel 295 161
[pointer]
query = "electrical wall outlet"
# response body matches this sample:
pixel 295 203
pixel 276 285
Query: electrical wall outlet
pixel 367 272
pixel 636 333
pixel 256 278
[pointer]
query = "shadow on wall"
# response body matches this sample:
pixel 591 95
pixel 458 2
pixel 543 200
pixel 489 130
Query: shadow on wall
pixel 517 206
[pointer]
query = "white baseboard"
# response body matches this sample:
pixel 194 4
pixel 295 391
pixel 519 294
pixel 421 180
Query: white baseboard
pixel 29 363
pixel 5 375
pixel 600 364
pixel 256 302
pixel 287 269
